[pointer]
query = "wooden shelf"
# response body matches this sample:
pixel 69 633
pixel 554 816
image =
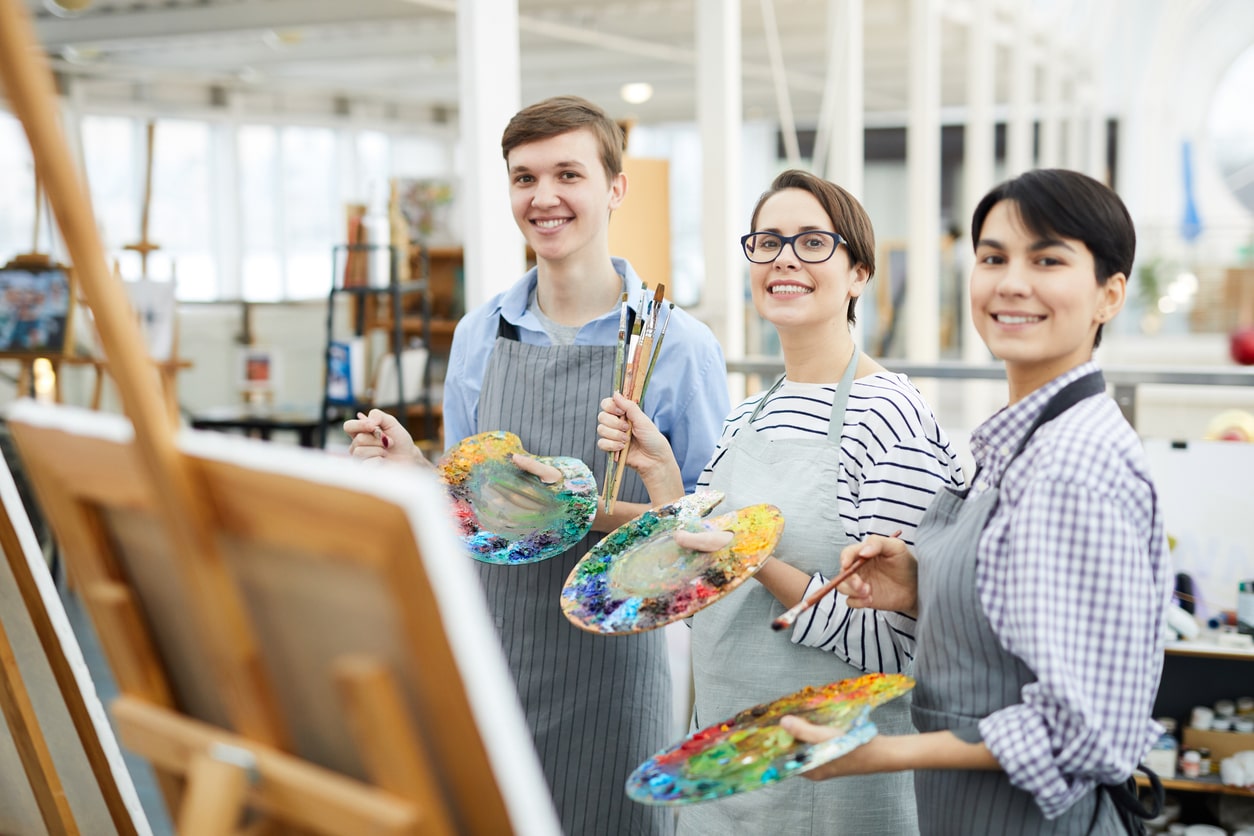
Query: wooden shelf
pixel 1210 784
pixel 1209 651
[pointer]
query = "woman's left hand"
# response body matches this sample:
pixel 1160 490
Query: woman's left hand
pixel 860 761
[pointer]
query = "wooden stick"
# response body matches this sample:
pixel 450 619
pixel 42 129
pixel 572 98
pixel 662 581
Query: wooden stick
pixel 219 611
pixel 619 358
pixel 787 619
pixel 644 362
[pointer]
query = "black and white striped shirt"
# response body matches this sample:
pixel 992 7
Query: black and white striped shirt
pixel 894 457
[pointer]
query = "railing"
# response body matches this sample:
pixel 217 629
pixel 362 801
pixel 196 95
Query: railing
pixel 1124 379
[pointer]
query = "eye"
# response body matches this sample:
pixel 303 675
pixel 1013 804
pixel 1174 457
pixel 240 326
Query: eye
pixel 1049 261
pixel 768 242
pixel 523 179
pixel 992 258
pixel 569 175
pixel 814 242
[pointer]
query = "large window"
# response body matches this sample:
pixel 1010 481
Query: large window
pixel 17 197
pixel 238 211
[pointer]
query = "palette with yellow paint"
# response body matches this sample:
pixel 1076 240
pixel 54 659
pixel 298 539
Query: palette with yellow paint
pixel 507 515
pixel 638 578
pixel 751 750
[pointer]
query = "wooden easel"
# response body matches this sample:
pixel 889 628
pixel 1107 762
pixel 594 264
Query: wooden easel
pixel 74 778
pixel 190 565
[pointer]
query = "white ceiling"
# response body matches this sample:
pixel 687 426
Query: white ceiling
pixel 404 51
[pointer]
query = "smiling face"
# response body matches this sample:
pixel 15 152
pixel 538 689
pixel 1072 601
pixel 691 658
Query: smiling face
pixel 562 197
pixel 1036 300
pixel 790 293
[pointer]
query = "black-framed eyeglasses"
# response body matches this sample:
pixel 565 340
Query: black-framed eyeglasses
pixel 812 247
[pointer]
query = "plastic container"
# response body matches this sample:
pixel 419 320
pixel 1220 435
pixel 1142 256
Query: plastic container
pixel 1225 708
pixel 1190 764
pixel 1204 766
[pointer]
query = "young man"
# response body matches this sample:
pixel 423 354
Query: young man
pixel 536 360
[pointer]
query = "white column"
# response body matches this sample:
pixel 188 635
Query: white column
pixel 841 155
pixel 487 61
pixel 1095 138
pixel 1051 112
pixel 839 143
pixel 979 149
pixel 1074 112
pixel 922 314
pixel 722 216
pixel 1022 94
pixel 229 237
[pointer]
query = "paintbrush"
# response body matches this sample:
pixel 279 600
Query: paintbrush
pixel 790 616
pixel 645 356
pixel 377 432
pixel 619 355
pixel 657 349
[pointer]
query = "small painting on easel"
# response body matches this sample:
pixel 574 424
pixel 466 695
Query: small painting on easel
pixel 35 306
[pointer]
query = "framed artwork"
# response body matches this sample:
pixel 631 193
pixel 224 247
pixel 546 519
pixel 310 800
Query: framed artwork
pixel 35 306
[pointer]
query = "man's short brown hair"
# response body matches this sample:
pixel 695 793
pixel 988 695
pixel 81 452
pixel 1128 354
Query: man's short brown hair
pixel 563 114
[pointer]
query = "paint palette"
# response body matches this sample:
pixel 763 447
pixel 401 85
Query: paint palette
pixel 751 750
pixel 637 578
pixel 507 515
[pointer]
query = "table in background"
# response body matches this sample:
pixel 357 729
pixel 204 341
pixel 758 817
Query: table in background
pixel 260 422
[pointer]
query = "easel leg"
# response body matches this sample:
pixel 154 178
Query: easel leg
pixel 216 790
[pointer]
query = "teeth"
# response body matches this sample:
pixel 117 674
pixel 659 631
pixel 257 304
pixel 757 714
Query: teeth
pixel 1017 320
pixel 550 224
pixel 790 289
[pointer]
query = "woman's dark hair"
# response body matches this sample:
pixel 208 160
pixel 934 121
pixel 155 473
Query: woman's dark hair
pixel 848 217
pixel 1056 203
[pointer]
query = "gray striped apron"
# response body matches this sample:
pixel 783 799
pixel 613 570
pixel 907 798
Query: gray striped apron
pixel 964 674
pixel 597 706
pixel 739 661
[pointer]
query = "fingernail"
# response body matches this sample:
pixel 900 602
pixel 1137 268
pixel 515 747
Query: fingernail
pixel 361 416
pixel 387 442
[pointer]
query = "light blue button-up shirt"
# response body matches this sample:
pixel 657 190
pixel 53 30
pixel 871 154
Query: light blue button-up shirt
pixel 687 397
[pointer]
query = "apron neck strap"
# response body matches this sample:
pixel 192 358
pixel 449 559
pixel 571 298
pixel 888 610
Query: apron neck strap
pixel 837 423
pixel 1068 396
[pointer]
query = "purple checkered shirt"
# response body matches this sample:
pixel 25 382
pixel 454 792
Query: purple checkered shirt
pixel 1074 576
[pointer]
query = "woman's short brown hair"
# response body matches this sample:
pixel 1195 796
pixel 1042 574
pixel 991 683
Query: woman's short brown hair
pixel 848 217
pixel 562 114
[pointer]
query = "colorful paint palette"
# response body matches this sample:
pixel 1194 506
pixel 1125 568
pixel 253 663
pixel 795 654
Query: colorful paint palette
pixel 507 515
pixel 637 578
pixel 751 750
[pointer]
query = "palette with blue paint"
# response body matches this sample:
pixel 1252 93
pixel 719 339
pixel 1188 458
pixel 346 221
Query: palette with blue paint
pixel 638 578
pixel 751 750
pixel 507 515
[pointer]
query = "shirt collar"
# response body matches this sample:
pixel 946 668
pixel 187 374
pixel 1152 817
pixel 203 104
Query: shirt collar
pixel 999 436
pixel 513 302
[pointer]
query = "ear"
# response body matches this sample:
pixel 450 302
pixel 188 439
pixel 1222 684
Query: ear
pixel 1110 297
pixel 618 190
pixel 860 279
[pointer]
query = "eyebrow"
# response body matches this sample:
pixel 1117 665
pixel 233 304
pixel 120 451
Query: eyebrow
pixel 775 229
pixel 1037 245
pixel 561 164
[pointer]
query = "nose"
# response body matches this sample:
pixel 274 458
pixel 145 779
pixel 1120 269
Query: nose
pixel 787 257
pixel 545 195
pixel 1013 280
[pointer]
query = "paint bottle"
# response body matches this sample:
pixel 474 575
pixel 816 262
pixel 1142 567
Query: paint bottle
pixel 1190 763
pixel 1204 765
pixel 1245 607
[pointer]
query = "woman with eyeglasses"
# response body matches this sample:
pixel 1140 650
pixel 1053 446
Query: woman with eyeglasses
pixel 1041 592
pixel 845 449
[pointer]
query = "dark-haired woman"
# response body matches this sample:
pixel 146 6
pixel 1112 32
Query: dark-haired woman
pixel 845 449
pixel 1040 592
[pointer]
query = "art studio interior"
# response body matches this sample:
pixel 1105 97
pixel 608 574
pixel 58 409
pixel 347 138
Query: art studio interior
pixel 251 246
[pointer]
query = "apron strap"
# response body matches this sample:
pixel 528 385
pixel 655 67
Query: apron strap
pixel 505 329
pixel 1068 396
pixel 836 425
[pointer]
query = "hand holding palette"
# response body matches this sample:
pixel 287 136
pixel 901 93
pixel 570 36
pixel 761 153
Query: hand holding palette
pixel 638 578
pixel 507 515
pixel 751 750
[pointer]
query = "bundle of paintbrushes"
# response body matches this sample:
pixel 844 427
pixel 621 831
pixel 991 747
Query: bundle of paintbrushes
pixel 639 343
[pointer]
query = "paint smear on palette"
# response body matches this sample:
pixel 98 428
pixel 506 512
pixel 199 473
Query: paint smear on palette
pixel 638 579
pixel 751 750
pixel 507 515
